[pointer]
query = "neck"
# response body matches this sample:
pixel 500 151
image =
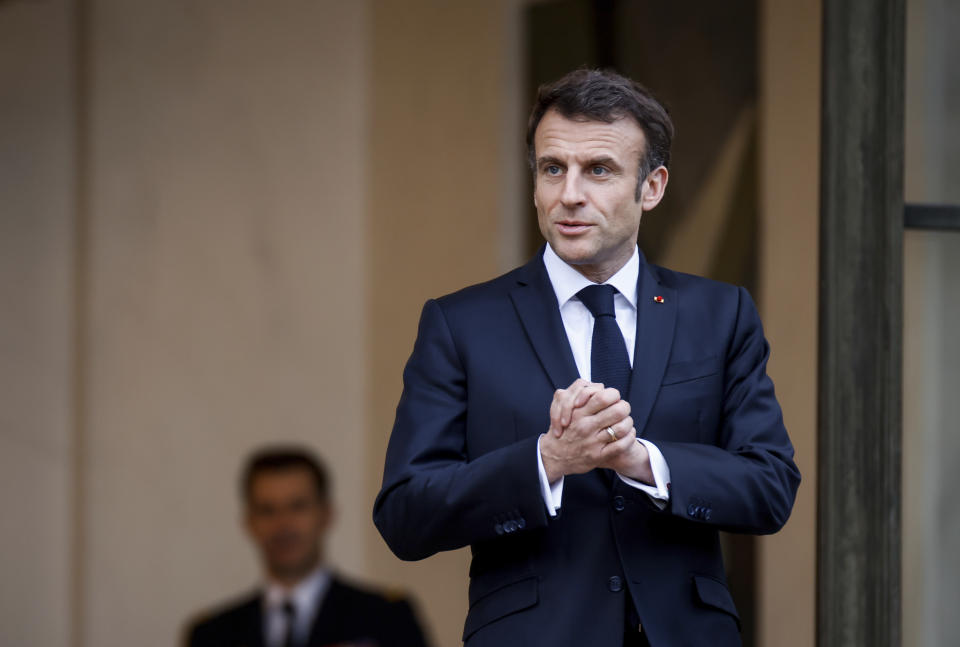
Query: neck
pixel 600 272
pixel 595 274
pixel 291 578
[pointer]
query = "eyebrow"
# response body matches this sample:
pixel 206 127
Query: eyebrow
pixel 604 160
pixel 549 159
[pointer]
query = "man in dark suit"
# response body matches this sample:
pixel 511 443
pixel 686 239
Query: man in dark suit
pixel 304 603
pixel 588 422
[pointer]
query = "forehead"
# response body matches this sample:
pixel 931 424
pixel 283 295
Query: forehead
pixel 557 135
pixel 281 482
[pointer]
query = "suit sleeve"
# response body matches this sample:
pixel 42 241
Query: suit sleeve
pixel 748 482
pixel 432 497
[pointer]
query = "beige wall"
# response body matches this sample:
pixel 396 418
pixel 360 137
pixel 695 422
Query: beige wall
pixel 442 90
pixel 789 220
pixel 36 324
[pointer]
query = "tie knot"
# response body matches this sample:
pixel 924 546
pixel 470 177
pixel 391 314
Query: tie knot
pixel 598 299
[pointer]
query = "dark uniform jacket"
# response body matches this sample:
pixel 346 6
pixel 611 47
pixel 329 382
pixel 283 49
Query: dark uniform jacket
pixel 348 614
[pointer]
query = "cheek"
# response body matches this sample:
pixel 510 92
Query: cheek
pixel 539 201
pixel 625 215
pixel 543 214
pixel 546 194
pixel 310 524
pixel 261 531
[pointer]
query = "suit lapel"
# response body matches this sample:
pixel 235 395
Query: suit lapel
pixel 656 319
pixel 253 619
pixel 536 305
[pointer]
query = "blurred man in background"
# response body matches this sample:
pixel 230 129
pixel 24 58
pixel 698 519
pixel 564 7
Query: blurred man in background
pixel 302 602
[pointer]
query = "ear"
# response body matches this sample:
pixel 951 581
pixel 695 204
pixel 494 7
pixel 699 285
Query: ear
pixel 654 186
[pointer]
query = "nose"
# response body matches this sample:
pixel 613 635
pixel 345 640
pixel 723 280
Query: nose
pixel 572 195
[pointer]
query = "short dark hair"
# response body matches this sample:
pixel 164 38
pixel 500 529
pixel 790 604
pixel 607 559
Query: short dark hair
pixel 603 95
pixel 281 459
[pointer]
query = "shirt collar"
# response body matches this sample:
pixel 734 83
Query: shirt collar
pixel 304 596
pixel 567 281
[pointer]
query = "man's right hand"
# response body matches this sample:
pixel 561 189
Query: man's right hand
pixel 577 440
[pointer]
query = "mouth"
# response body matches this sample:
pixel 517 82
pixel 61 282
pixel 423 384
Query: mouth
pixel 284 543
pixel 572 227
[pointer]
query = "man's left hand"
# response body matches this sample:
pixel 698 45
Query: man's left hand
pixel 629 457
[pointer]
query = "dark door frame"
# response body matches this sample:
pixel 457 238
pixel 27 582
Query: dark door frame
pixel 861 321
pixel 862 222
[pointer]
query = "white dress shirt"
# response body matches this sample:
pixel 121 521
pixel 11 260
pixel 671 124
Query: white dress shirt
pixel 578 323
pixel 306 597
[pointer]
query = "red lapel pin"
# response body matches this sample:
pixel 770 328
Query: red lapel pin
pixel 658 299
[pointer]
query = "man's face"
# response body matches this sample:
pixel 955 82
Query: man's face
pixel 287 521
pixel 586 183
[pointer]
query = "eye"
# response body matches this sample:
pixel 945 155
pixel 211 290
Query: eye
pixel 552 169
pixel 599 171
pixel 264 511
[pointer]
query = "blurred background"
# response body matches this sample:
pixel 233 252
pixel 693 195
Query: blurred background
pixel 219 222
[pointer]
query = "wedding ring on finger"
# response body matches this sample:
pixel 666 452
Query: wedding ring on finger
pixel 612 433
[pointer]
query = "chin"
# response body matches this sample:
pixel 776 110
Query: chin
pixel 289 562
pixel 572 253
pixel 293 569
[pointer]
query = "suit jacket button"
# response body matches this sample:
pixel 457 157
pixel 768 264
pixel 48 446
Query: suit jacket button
pixel 615 584
pixel 498 528
pixel 706 514
pixel 618 503
pixel 521 523
pixel 510 526
pixel 692 511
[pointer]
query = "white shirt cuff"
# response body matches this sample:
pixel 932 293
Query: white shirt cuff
pixel 551 493
pixel 659 492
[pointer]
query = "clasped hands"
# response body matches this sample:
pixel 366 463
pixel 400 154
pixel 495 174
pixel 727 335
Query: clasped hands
pixel 578 440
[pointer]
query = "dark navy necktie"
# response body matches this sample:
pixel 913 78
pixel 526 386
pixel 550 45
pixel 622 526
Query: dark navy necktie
pixel 609 361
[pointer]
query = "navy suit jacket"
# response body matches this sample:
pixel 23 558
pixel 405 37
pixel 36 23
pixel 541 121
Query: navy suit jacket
pixel 461 466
